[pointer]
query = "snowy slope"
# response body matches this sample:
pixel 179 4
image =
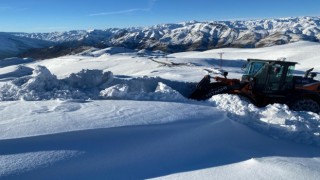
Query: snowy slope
pixel 305 53
pixel 257 168
pixel 11 45
pixel 127 118
pixel 75 140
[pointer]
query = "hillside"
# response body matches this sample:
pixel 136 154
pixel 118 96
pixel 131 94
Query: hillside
pixel 186 36
pixel 11 45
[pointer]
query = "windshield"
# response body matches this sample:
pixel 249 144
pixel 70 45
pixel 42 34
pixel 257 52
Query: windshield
pixel 253 67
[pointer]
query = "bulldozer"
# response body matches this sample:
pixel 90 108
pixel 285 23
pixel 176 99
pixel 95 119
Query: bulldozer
pixel 266 82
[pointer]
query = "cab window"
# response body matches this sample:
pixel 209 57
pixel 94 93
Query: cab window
pixel 254 67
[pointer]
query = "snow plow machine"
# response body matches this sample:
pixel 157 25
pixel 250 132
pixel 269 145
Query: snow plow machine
pixel 266 82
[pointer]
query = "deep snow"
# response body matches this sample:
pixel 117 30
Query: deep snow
pixel 124 115
pixel 138 140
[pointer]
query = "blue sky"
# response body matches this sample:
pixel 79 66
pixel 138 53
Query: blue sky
pixel 62 15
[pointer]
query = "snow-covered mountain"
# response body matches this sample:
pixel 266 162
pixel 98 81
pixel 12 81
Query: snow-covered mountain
pixel 11 45
pixel 190 35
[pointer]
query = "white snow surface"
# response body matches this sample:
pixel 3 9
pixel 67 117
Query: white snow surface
pixel 117 114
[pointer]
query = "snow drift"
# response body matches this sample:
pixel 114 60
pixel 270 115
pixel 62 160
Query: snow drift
pixel 275 120
pixel 138 139
pixel 91 84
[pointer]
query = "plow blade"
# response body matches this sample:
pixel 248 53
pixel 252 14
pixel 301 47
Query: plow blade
pixel 205 90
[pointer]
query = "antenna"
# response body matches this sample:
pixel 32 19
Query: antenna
pixel 221 53
pixel 281 59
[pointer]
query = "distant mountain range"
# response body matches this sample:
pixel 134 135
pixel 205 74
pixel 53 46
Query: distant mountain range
pixel 179 37
pixel 11 45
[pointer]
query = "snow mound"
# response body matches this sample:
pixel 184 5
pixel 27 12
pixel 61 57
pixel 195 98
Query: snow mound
pixel 91 84
pixel 162 92
pixel 43 85
pixel 116 91
pixel 275 120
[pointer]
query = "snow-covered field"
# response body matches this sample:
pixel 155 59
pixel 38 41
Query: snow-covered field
pixel 125 115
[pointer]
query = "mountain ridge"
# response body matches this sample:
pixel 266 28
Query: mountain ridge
pixel 192 35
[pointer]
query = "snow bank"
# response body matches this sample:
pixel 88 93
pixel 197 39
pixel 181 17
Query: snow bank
pixel 91 84
pixel 275 120
pixel 147 88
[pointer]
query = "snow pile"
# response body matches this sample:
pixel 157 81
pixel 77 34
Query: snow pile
pixel 142 89
pixel 167 92
pixel 116 91
pixel 43 85
pixel 275 120
pixel 89 79
pixel 90 84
